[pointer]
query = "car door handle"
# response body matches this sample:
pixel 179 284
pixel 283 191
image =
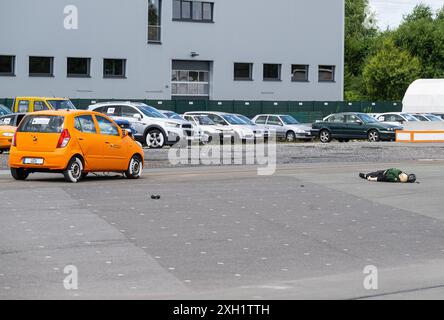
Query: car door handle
pixel 81 139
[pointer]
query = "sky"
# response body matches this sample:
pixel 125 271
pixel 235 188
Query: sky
pixel 389 12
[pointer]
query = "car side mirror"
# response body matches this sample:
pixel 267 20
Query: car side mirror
pixel 137 116
pixel 127 132
pixel 359 122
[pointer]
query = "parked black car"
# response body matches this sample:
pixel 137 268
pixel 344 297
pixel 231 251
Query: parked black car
pixel 352 125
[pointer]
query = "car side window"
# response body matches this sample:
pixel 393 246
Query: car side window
pixel 112 111
pixel 107 127
pixel 217 120
pixel 128 111
pixel 39 106
pixel 23 106
pixel 381 118
pixel 353 119
pixel 6 121
pixel 85 124
pixel 274 121
pixel 337 119
pixel 261 120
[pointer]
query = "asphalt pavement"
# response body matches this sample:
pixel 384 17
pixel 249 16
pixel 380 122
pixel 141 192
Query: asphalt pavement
pixel 224 232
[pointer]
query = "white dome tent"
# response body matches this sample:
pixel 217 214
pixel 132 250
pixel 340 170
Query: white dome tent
pixel 424 96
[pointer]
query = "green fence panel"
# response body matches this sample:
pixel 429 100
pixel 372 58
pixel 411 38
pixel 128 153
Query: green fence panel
pixel 326 107
pixel 183 106
pixel 300 106
pixel 221 106
pixel 169 105
pixel 247 108
pixel 275 107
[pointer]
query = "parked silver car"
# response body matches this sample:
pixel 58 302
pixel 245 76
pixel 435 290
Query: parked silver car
pixel 285 126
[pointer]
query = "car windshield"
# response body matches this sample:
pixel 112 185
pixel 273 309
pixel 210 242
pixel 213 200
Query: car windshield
pixel 367 119
pixel 204 121
pixel 408 117
pixel 42 124
pixel 420 117
pixel 433 118
pixel 246 120
pixel 61 104
pixel 4 110
pixel 232 119
pixel 289 120
pixel 151 112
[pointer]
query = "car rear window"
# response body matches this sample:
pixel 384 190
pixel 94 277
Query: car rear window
pixel 42 124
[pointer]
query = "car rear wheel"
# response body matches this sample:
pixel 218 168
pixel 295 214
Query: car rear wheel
pixel 135 168
pixel 325 136
pixel 373 136
pixel 155 139
pixel 290 136
pixel 73 172
pixel 19 173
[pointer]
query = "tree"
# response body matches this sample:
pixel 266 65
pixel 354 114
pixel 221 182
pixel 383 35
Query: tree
pixel 387 74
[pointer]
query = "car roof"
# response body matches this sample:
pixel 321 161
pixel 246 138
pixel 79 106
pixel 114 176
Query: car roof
pixel 207 112
pixel 118 102
pixel 44 98
pixel 64 112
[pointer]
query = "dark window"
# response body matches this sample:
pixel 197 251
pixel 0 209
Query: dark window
pixel 261 120
pixel 154 20
pixel 23 106
pixel 299 72
pixel 112 111
pixel 114 68
pixel 326 73
pixel 274 121
pixel 41 66
pixel 272 72
pixel 353 119
pixel 193 10
pixel 7 65
pixel 85 124
pixel 129 112
pixel 42 124
pixel 78 67
pixel 243 71
pixel 39 106
pixel 340 118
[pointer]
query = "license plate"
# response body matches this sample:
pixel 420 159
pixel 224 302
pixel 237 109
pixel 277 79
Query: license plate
pixel 38 161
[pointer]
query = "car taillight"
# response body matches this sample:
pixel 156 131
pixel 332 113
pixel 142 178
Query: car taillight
pixel 64 139
pixel 14 140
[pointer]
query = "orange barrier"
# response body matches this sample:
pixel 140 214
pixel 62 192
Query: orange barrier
pixel 420 136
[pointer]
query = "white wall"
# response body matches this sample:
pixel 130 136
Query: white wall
pixel 256 31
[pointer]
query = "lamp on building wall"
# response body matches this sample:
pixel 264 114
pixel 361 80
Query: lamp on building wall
pixel 194 54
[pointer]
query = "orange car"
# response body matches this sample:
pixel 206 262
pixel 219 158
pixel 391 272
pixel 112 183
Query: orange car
pixel 8 125
pixel 73 142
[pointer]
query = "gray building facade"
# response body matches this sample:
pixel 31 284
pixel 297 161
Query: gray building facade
pixel 173 49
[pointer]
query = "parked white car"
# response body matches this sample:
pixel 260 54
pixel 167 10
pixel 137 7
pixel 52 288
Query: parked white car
pixel 427 117
pixel 396 118
pixel 260 128
pixel 285 126
pixel 209 128
pixel 197 134
pixel 241 130
pixel 153 129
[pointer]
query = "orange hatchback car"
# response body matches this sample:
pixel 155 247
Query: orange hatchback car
pixel 73 142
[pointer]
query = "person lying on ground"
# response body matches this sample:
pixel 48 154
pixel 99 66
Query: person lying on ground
pixel 389 175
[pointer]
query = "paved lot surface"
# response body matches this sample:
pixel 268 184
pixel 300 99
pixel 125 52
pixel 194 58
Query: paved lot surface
pixel 225 233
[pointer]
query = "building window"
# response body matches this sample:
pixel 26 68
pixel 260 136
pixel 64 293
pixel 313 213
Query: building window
pixel 41 66
pixel 185 10
pixel 243 71
pixel 299 73
pixel 326 73
pixel 114 68
pixel 272 72
pixel 190 83
pixel 78 67
pixel 154 20
pixel 7 65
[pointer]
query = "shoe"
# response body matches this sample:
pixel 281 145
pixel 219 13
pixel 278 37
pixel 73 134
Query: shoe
pixel 363 176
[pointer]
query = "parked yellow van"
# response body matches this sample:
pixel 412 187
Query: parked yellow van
pixel 32 104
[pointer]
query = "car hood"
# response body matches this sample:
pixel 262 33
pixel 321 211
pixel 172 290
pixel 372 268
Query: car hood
pixel 302 127
pixel 383 125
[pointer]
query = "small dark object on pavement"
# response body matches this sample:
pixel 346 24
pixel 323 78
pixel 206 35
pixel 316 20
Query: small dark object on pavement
pixel 302 186
pixel 389 175
pixel 155 197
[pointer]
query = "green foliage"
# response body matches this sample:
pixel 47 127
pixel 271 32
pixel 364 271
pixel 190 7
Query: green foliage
pixel 387 74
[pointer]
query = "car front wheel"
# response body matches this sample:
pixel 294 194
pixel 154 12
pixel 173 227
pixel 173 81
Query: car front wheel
pixel 73 172
pixel 19 173
pixel 155 139
pixel 290 136
pixel 325 136
pixel 135 168
pixel 373 136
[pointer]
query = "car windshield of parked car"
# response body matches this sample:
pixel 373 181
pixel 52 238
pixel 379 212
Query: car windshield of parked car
pixel 42 124
pixel 4 110
pixel 61 104
pixel 151 112
pixel 433 118
pixel 246 120
pixel 231 119
pixel 205 121
pixel 289 120
pixel 420 117
pixel 367 119
pixel 409 117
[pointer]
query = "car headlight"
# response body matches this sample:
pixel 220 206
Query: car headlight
pixel 7 134
pixel 173 124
